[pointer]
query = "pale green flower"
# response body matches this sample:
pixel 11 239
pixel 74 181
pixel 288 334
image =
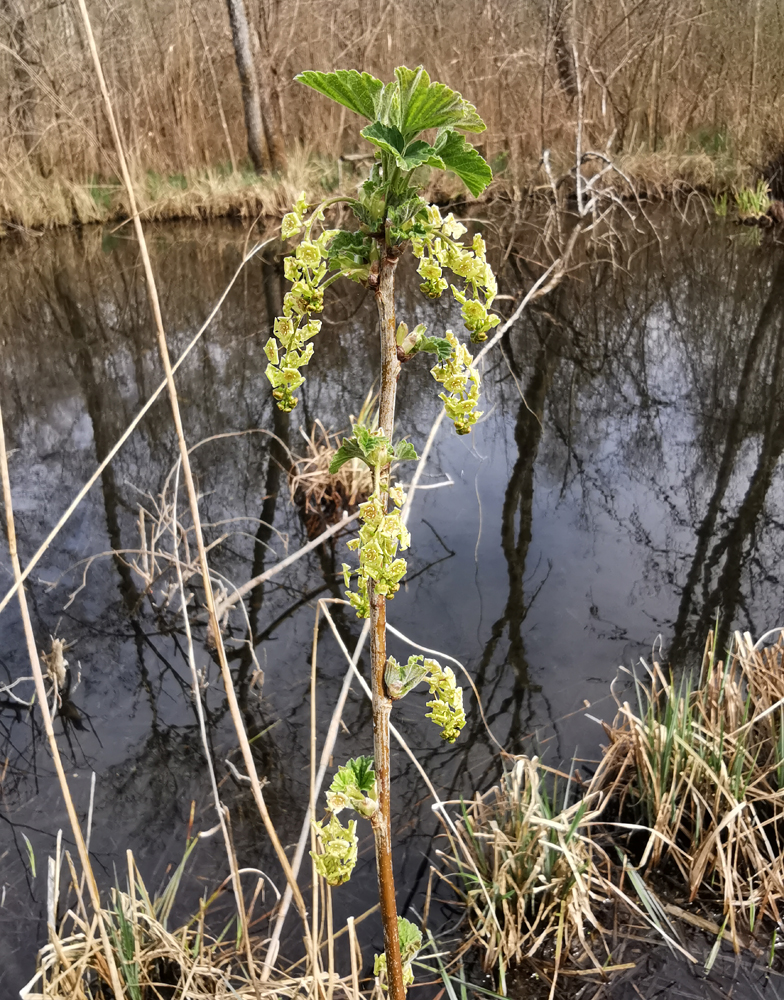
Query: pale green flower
pixel 338 854
pixel 309 254
pixel 461 380
pixel 381 536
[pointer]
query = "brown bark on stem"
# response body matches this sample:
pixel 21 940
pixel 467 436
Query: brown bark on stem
pixel 382 705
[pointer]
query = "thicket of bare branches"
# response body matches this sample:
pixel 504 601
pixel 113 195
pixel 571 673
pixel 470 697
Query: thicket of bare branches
pixel 661 77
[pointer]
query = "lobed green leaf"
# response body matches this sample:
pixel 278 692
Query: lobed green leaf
pixel 462 159
pixel 359 92
pixel 405 452
pixel 424 105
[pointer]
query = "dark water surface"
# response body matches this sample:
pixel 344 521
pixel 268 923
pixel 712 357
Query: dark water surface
pixel 635 493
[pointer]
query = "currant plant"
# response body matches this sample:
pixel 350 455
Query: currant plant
pixel 415 125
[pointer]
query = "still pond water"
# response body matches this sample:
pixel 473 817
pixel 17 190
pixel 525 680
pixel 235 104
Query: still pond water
pixel 624 485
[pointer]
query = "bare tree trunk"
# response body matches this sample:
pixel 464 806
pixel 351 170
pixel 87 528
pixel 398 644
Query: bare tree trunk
pixel 271 122
pixel 257 147
pixel 563 47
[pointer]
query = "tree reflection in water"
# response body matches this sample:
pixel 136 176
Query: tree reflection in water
pixel 635 489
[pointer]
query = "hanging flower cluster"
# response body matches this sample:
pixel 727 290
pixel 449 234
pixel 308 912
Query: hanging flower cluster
pixel 447 705
pixel 380 536
pixel 288 350
pixel 434 242
pixel 353 787
pixel 338 854
pixel 461 380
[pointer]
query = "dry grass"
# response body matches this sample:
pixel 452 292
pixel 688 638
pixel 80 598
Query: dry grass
pixel 322 496
pixel 694 771
pixel 532 875
pixel 154 961
pixel 682 94
pixel 701 764
pixel 33 202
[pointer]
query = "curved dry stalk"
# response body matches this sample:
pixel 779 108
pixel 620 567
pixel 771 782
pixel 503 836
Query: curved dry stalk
pixel 40 690
pixel 189 482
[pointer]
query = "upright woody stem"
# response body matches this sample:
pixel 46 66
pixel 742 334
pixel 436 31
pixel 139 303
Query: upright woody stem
pixel 382 704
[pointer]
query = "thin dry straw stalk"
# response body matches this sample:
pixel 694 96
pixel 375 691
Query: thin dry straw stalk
pixel 196 687
pixel 40 689
pixel 126 433
pixel 190 486
pixel 324 763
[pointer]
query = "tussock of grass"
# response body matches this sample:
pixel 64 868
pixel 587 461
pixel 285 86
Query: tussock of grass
pixel 531 873
pixel 701 764
pixel 323 496
pixel 154 961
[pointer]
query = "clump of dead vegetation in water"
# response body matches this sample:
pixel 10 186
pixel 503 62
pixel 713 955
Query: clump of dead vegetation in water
pixel 323 496
pixel 701 764
pixel 532 875
pixel 692 781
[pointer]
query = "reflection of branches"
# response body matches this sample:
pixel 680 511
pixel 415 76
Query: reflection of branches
pixel 516 520
pixel 106 460
pixel 748 386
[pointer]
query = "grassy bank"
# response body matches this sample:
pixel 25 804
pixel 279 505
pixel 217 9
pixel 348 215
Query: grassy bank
pixel 32 202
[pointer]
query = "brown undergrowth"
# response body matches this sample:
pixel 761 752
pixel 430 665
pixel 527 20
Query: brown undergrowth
pixel 684 94
pixel 691 782
pixel 154 961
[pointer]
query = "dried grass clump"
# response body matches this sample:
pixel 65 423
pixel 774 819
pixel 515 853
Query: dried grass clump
pixel 702 765
pixel 531 872
pixel 153 961
pixel 323 496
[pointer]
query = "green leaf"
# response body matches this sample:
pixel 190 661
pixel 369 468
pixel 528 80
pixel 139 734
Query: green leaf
pixel 419 153
pixel 408 209
pixel 350 243
pixel 410 939
pixel 424 105
pixel 357 771
pixel 372 201
pixel 388 138
pixel 435 345
pixel 364 444
pixel 350 254
pixel 348 450
pixel 359 92
pixel 388 104
pixel 405 452
pixel 462 159
pixel 400 678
